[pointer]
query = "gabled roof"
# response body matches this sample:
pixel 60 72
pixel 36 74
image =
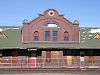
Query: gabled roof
pixel 57 13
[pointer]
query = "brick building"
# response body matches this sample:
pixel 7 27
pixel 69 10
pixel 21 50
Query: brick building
pixel 50 40
pixel 51 27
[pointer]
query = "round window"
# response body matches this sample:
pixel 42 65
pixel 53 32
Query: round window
pixel 51 13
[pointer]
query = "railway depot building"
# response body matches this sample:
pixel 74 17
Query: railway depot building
pixel 50 41
pixel 50 27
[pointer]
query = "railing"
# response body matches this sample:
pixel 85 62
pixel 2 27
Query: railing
pixel 27 62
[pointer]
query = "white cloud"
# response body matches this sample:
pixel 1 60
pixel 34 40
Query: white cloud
pixel 95 31
pixel 1 30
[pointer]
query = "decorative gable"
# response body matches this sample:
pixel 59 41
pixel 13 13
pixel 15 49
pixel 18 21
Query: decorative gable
pixel 51 27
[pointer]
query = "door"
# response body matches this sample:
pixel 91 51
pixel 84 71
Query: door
pixel 91 60
pixel 82 61
pixel 69 60
pixel 48 56
pixel 33 62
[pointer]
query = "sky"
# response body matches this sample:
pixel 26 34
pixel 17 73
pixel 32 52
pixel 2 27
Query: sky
pixel 13 12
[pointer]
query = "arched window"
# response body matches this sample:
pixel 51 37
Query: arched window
pixel 51 33
pixel 51 25
pixel 36 36
pixel 66 36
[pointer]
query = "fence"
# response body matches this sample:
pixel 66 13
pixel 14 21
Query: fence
pixel 33 62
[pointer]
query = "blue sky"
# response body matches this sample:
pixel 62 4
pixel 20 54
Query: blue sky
pixel 13 12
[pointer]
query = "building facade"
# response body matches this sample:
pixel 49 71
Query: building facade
pixel 50 27
pixel 61 40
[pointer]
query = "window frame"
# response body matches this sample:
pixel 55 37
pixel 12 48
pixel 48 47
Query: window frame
pixel 54 35
pixel 47 37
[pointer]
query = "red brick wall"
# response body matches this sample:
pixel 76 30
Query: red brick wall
pixel 37 25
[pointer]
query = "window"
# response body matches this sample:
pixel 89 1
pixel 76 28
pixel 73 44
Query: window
pixel 47 35
pixel 51 25
pixel 36 36
pixel 55 35
pixel 66 36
